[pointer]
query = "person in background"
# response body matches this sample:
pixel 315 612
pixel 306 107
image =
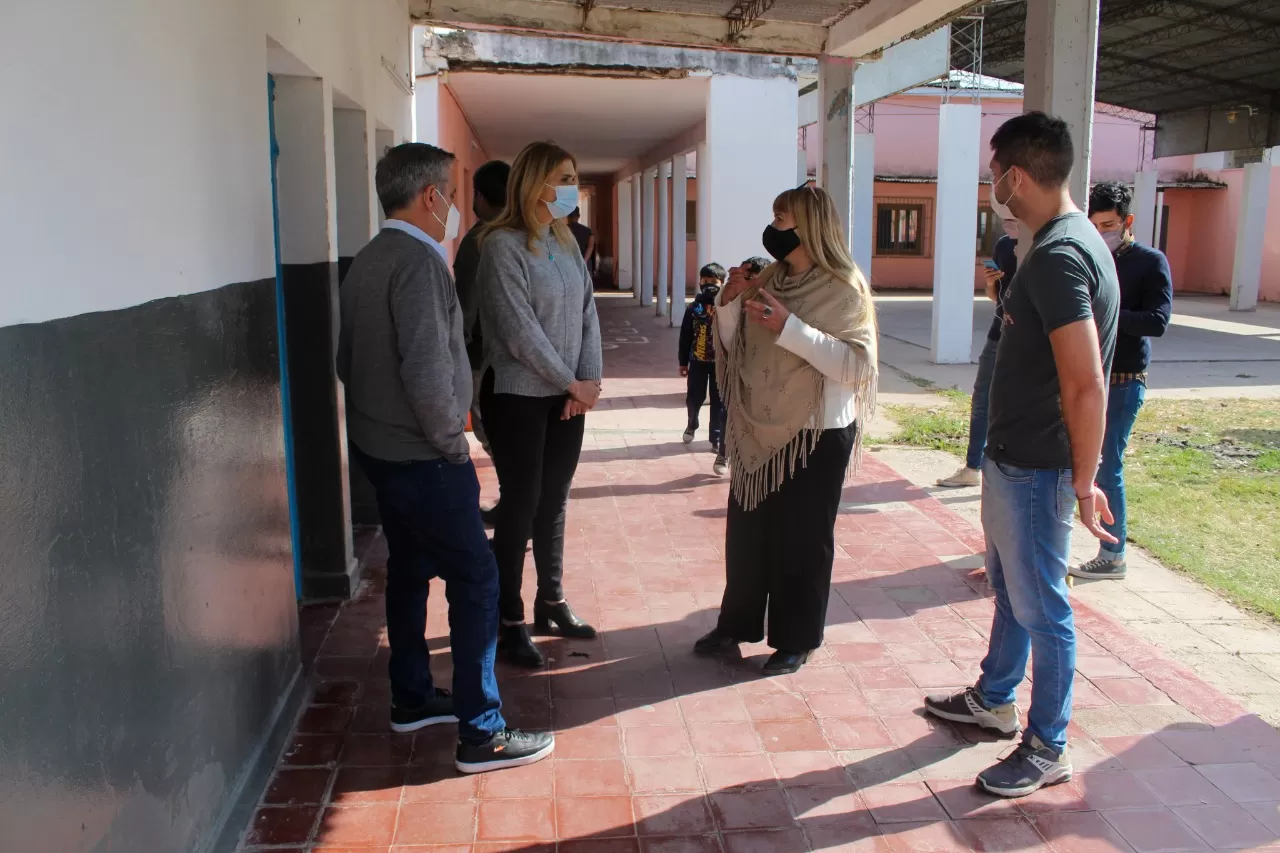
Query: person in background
pixel 697 356
pixel 797 367
pixel 585 238
pixel 1004 256
pixel 543 357
pixel 489 194
pixel 1146 303
pixel 403 362
pixel 1048 411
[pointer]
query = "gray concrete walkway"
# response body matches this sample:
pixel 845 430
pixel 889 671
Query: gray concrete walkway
pixel 1208 351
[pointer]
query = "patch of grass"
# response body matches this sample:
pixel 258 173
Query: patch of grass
pixel 1203 480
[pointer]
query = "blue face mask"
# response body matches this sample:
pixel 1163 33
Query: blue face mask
pixel 566 201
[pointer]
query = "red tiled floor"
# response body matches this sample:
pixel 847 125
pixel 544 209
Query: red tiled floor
pixel 663 752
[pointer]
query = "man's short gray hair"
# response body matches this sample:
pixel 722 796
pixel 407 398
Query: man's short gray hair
pixel 406 170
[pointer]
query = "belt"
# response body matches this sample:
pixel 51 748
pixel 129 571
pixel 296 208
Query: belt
pixel 1118 378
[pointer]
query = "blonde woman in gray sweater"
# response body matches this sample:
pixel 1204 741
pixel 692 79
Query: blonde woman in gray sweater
pixel 541 376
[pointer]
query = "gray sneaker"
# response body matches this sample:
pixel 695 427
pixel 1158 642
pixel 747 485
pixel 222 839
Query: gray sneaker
pixel 1027 769
pixel 967 707
pixel 1101 568
pixel 689 435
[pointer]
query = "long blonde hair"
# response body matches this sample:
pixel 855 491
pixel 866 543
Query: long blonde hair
pixel 820 233
pixel 530 174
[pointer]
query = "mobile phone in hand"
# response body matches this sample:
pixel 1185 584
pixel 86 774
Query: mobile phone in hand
pixel 990 264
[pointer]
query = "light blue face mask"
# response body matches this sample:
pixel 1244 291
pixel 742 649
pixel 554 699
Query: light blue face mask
pixel 566 201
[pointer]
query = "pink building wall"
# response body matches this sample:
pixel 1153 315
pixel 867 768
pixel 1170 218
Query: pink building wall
pixel 457 136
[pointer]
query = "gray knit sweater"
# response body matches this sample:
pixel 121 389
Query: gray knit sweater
pixel 541 331
pixel 401 354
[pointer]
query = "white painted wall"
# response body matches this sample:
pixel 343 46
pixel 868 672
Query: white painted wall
pixel 353 154
pixel 146 172
pixel 742 173
pixel 626 255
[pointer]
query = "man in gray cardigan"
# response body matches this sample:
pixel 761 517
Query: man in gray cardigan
pixel 408 382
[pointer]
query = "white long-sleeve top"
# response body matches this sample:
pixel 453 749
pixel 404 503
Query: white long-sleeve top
pixel 827 354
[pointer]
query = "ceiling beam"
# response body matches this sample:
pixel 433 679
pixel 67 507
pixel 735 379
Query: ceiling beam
pixel 554 17
pixel 881 23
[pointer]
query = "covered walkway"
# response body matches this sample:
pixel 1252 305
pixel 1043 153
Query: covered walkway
pixel 661 751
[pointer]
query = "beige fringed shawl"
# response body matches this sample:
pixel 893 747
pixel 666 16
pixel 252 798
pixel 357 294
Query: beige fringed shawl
pixel 774 396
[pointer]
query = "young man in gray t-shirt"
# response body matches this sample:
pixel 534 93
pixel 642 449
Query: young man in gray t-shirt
pixel 1047 416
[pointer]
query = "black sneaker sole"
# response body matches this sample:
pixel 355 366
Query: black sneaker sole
pixel 406 728
pixel 1026 790
pixel 504 763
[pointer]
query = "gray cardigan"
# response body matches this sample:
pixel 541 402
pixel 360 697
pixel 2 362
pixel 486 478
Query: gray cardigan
pixel 541 332
pixel 401 355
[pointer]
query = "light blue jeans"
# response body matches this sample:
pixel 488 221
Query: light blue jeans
pixel 1123 403
pixel 1026 514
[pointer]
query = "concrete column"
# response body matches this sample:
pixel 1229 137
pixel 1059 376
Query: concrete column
pixel 802 164
pixel 1061 68
pixel 353 170
pixel 702 165
pixel 1246 272
pixel 662 281
pixel 1145 185
pixel 426 110
pixel 307 178
pixel 955 224
pixel 647 214
pixel 637 253
pixel 864 198
pixel 748 170
pixel 836 133
pixel 679 236
pixel 625 254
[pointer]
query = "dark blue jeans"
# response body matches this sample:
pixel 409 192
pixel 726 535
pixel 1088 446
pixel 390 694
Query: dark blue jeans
pixel 431 518
pixel 978 410
pixel 702 377
pixel 1026 515
pixel 1123 403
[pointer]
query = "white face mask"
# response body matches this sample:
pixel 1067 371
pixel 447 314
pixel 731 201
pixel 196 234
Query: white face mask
pixel 453 219
pixel 566 201
pixel 1001 208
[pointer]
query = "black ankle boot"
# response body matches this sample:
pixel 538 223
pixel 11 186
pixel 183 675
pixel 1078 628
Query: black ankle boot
pixel 562 615
pixel 517 646
pixel 784 663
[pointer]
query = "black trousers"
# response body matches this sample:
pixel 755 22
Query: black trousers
pixel 778 556
pixel 702 376
pixel 535 454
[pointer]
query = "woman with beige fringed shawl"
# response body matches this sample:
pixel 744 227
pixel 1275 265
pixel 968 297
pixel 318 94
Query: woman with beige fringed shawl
pixel 798 375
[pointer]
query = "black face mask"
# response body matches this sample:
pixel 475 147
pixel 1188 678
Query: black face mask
pixel 780 244
pixel 711 290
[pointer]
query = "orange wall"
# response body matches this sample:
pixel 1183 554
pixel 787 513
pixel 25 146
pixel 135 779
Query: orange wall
pixel 457 137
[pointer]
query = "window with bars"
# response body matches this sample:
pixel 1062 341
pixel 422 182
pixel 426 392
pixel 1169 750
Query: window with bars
pixel 900 228
pixel 990 229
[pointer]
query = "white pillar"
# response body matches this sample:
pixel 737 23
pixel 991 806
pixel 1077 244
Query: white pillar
pixel 353 173
pixel 955 224
pixel 663 279
pixel 1145 185
pixel 864 201
pixel 646 236
pixel 702 208
pixel 1061 51
pixel 748 170
pixel 802 161
pixel 626 256
pixel 679 236
pixel 637 241
pixel 836 133
pixel 426 110
pixel 1159 225
pixel 1251 230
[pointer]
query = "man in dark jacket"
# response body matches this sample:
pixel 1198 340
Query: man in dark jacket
pixel 1146 302
pixel 697 355
pixel 489 185
pixel 998 273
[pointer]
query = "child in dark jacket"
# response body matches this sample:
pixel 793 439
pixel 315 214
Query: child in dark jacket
pixel 698 357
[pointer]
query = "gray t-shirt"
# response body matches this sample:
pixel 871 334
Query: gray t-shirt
pixel 1068 276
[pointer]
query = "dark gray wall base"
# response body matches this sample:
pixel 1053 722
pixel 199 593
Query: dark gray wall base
pixel 148 619
pixel 322 586
pixel 257 774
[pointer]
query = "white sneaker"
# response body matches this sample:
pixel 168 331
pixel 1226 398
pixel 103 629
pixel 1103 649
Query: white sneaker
pixel 688 436
pixel 965 478
pixel 721 466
